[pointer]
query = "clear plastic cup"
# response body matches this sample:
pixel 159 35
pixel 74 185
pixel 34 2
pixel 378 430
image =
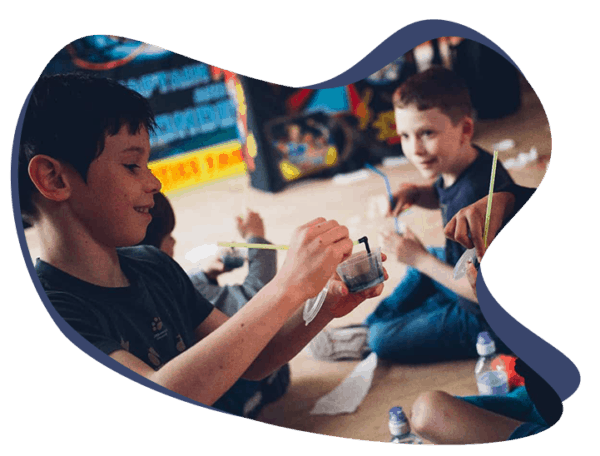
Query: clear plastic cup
pixel 460 270
pixel 232 258
pixel 362 270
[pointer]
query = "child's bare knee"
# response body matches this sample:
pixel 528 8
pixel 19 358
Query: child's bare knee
pixel 426 411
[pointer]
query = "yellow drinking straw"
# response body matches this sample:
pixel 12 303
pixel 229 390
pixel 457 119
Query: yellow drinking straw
pixel 258 246
pixel 490 197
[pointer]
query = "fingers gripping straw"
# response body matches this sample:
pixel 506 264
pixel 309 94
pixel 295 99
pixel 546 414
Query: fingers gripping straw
pixel 471 255
pixel 312 306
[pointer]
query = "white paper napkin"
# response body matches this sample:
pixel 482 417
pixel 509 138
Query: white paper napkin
pixel 349 394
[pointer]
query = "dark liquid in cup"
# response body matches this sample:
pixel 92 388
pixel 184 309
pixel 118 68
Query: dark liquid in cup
pixel 365 281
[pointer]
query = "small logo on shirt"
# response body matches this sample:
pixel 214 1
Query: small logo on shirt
pixel 159 330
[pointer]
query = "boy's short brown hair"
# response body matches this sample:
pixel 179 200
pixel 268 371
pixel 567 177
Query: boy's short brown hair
pixel 436 87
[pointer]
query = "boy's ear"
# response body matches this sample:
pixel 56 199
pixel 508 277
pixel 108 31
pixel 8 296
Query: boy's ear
pixel 468 129
pixel 50 177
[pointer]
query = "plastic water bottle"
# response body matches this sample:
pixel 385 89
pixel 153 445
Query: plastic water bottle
pixel 490 372
pixel 400 429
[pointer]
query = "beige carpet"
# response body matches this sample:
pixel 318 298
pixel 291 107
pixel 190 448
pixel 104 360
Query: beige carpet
pixel 204 214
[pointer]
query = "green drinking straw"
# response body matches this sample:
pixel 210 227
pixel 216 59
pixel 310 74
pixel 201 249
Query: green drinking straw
pixel 490 196
pixel 258 246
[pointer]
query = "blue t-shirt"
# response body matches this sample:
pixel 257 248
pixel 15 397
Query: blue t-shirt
pixel 472 185
pixel 154 318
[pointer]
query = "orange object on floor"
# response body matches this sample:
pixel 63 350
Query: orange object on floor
pixel 514 379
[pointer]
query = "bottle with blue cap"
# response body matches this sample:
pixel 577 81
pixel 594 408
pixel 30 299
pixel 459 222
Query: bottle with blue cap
pixel 400 429
pixel 490 372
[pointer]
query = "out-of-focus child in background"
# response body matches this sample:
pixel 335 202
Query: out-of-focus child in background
pixel 245 398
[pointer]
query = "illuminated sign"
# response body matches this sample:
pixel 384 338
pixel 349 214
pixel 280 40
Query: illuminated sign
pixel 199 167
pixel 199 138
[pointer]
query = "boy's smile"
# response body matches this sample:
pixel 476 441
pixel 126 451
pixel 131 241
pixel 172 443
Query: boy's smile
pixel 430 141
pixel 115 202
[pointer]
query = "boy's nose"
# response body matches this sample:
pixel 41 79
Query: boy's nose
pixel 418 147
pixel 153 185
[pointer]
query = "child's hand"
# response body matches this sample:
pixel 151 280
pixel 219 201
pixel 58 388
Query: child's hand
pixel 406 196
pixel 251 225
pixel 471 220
pixel 407 248
pixel 340 302
pixel 315 251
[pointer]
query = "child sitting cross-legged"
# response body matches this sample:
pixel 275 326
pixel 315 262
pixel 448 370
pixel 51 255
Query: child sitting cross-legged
pixel 429 317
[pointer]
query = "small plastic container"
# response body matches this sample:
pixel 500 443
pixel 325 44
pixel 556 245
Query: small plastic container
pixel 460 269
pixel 232 258
pixel 362 270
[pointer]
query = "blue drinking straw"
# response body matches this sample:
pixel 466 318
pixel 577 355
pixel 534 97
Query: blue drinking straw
pixel 389 191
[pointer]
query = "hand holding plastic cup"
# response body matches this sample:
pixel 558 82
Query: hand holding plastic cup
pixel 362 271
pixel 460 269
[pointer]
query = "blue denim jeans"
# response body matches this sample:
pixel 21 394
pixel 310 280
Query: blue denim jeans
pixel 516 405
pixel 422 322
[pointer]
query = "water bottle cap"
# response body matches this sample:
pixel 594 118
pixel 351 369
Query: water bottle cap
pixel 485 344
pixel 398 423
pixel 484 338
pixel 397 414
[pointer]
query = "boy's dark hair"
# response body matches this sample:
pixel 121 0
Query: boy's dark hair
pixel 163 221
pixel 68 118
pixel 436 87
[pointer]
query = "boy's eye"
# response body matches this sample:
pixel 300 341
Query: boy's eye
pixel 131 167
pixel 427 133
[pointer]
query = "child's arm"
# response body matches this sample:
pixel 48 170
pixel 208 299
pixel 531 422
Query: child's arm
pixel 229 346
pixel 408 249
pixel 411 194
pixel 262 268
pixel 444 274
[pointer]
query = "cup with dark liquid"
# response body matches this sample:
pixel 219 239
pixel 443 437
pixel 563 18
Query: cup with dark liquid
pixel 362 271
